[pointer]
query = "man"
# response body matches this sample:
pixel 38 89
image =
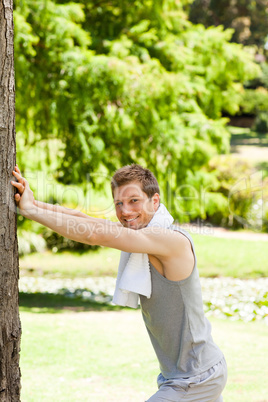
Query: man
pixel 192 367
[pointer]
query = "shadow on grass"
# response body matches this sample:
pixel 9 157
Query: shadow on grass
pixel 252 138
pixel 52 303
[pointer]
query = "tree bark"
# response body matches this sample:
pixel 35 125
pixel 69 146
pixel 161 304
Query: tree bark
pixel 10 328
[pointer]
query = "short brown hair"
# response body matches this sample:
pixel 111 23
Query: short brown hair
pixel 130 173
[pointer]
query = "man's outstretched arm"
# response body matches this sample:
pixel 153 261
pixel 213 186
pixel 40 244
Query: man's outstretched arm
pixel 94 231
pixel 59 209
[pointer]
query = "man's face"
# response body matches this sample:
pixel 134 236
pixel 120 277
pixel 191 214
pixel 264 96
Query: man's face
pixel 133 207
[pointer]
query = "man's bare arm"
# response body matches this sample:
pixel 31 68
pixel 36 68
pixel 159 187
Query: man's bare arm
pixel 85 229
pixel 59 209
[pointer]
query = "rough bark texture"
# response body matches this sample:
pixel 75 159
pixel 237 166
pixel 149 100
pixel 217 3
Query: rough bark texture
pixel 10 328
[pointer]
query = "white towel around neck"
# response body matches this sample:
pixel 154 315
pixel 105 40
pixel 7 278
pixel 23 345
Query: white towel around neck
pixel 134 276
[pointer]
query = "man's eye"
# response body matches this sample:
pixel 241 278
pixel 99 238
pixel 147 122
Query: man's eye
pixel 118 204
pixel 134 200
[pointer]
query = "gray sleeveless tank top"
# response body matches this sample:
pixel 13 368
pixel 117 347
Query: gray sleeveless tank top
pixel 179 331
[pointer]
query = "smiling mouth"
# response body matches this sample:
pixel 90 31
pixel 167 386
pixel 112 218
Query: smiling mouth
pixel 131 220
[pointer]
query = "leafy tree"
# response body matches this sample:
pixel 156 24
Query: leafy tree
pixel 117 83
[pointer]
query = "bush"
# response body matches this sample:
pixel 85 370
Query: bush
pixel 264 77
pixel 34 237
pixel 216 206
pixel 261 123
pixel 254 101
pixel 30 242
pixel 56 242
pixel 236 183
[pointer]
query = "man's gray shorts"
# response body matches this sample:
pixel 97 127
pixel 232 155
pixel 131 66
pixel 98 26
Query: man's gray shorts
pixel 205 387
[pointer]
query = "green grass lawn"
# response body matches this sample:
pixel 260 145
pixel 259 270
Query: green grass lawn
pixel 231 257
pixel 106 356
pixel 88 352
pixel 216 257
pixel 69 264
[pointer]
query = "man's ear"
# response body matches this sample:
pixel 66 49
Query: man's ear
pixel 156 201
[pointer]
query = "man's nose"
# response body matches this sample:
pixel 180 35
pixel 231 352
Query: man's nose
pixel 126 209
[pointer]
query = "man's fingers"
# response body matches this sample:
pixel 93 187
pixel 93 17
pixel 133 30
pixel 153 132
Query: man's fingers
pixel 19 186
pixel 17 169
pixel 21 179
pixel 18 176
pixel 17 197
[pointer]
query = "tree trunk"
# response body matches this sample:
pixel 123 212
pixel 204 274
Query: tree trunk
pixel 10 328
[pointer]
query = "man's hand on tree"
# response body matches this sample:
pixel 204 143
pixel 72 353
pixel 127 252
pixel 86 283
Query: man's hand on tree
pixel 24 198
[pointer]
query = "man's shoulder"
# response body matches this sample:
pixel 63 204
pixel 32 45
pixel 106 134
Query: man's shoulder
pixel 184 234
pixel 177 228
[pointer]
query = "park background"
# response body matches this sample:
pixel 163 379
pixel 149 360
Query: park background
pixel 180 87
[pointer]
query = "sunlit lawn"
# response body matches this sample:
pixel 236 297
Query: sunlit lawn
pixel 103 354
pixel 231 257
pixel 107 356
pixel 67 264
pixel 216 257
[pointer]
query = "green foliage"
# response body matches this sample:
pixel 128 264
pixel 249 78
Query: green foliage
pixel 264 77
pixel 254 101
pixel 248 18
pixel 242 203
pixel 30 242
pixel 37 238
pixel 261 123
pixel 58 243
pixel 34 237
pixel 116 83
